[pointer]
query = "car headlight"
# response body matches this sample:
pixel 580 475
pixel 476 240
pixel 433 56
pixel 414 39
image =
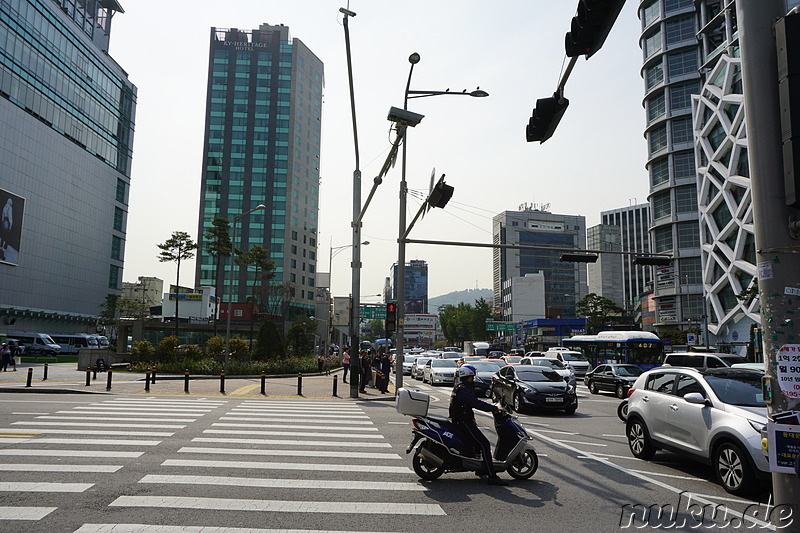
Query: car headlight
pixel 758 426
pixel 570 389
pixel 530 391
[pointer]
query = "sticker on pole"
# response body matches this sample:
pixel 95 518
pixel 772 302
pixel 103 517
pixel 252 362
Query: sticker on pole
pixel 788 369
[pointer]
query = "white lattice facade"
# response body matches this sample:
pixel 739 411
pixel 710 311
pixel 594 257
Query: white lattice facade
pixel 724 200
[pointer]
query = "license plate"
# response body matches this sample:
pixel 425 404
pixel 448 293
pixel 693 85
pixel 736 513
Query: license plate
pixel 559 400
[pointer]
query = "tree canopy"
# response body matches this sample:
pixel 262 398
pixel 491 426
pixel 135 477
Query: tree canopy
pixel 464 322
pixel 598 310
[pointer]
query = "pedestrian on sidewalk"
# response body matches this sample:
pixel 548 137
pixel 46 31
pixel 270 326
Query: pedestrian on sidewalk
pixel 366 371
pixel 5 356
pixel 386 366
pixel 320 363
pixel 327 364
pixel 16 351
pixel 345 363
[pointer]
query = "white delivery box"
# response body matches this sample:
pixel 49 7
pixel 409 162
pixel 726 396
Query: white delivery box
pixel 412 403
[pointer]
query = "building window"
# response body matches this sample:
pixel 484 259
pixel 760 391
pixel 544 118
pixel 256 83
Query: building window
pixel 237 312
pixel 691 271
pixel 680 96
pixel 681 29
pixel 682 63
pixel 650 13
pixel 686 200
pixel 113 277
pixel 692 307
pixel 658 138
pixel 116 247
pixel 661 205
pixel 655 107
pixel 655 75
pixel 119 215
pixel 688 235
pixel 683 164
pixel 663 239
pixel 674 5
pixel 120 191
pixel 682 131
pixel 652 44
pixel 659 172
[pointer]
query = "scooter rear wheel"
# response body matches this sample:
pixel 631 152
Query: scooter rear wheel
pixel 524 465
pixel 424 470
pixel 622 411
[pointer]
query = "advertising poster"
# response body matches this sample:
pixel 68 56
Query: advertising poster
pixel 12 208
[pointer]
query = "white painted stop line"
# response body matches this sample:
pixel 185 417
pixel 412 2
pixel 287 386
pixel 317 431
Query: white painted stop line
pixel 261 465
pixel 276 483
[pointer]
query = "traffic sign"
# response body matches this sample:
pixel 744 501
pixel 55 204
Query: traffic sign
pixel 492 325
pixel 371 312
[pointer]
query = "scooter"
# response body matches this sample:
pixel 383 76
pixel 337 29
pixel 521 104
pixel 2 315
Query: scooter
pixel 438 447
pixel 622 410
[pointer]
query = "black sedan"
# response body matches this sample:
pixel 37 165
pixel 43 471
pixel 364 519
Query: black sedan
pixel 616 378
pixel 524 387
pixel 483 378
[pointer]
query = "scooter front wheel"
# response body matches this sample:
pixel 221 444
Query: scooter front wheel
pixel 524 465
pixel 424 470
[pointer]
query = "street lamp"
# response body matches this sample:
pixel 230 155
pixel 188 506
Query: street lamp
pixel 413 59
pixel 334 251
pixel 236 219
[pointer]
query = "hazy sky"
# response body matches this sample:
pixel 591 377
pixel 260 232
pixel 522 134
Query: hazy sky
pixel 511 48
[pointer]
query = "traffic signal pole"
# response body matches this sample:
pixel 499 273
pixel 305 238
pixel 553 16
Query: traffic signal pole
pixel 776 250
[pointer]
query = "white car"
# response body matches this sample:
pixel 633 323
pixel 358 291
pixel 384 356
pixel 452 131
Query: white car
pixel 408 362
pixel 417 366
pixel 439 371
pixel 574 360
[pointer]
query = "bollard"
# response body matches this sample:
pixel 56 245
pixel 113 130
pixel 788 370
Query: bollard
pixel 94 372
pixel 30 377
pixel 222 382
pixel 299 384
pixel 186 381
pixel 108 379
pixel 88 376
pixel 147 380
pixel 263 383
pixel 153 375
pixel 336 385
pixel 45 372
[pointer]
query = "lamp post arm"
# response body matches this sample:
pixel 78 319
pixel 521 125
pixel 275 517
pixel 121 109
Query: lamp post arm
pixel 388 164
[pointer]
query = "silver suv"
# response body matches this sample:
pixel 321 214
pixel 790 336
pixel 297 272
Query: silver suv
pixel 714 415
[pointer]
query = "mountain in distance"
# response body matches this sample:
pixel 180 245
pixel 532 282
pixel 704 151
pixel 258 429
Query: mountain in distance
pixel 467 296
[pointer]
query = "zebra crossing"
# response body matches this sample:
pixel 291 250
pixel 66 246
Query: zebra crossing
pixel 288 464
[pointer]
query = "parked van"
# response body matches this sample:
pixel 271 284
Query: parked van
pixel 703 359
pixel 574 360
pixel 35 343
pixel 72 344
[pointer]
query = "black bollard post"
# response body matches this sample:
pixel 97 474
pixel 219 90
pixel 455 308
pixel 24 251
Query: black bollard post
pixel 108 380
pixel 30 377
pixel 222 382
pixel 186 381
pixel 263 383
pixel 147 380
pixel 45 372
pixel 94 372
pixel 88 376
pixel 299 384
pixel 153 376
pixel 336 385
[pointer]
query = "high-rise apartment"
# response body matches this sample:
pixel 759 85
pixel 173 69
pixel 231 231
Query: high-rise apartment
pixel 605 275
pixel 565 283
pixel 262 146
pixel 66 134
pixel 633 222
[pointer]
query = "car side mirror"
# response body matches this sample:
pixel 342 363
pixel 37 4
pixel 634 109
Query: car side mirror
pixel 696 398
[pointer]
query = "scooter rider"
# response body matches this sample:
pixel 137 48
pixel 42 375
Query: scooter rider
pixel 462 402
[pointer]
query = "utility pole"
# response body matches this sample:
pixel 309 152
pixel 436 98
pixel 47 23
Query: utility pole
pixel 777 257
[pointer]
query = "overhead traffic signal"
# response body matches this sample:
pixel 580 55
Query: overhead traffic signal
pixel 579 258
pixel 652 260
pixel 545 117
pixel 391 318
pixel 440 194
pixel 591 26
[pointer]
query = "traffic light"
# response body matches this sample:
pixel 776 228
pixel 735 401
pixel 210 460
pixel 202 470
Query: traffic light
pixel 652 260
pixel 789 98
pixel 545 117
pixel 391 318
pixel 440 194
pixel 579 258
pixel 591 26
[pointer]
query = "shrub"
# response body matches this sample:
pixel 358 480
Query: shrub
pixel 216 347
pixel 239 349
pixel 142 351
pixel 168 349
pixel 269 344
pixel 193 352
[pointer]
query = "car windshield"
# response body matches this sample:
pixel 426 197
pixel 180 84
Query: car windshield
pixel 631 371
pixel 573 356
pixel 533 376
pixel 743 390
pixel 409 358
pixel 48 340
pixel 730 360
pixel 446 363
pixel 484 367
pixel 552 363
pixel 422 361
pixel 513 359
pixel 451 355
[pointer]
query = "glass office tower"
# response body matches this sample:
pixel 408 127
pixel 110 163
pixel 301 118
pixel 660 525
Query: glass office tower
pixel 262 146
pixel 66 133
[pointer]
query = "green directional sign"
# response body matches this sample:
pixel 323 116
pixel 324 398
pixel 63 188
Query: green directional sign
pixel 372 312
pixel 492 325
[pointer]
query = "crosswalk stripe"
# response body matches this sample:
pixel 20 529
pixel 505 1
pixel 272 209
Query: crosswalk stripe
pixel 290 453
pixel 22 467
pixel 280 506
pixel 291 434
pixel 298 409
pixel 70 453
pixel 114 419
pixel 88 414
pixel 284 426
pixel 292 414
pixel 79 431
pixel 284 403
pixel 155 410
pixel 101 442
pixel 100 424
pixel 198 401
pixel 262 465
pixel 306 419
pixel 155 405
pixel 25 513
pixel 36 486
pixel 151 528
pixel 320 443
pixel 12 440
pixel 275 483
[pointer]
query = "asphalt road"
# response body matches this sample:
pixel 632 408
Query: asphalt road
pixel 168 464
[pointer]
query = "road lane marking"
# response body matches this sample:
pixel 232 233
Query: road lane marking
pixel 36 486
pixel 22 467
pixel 291 434
pixel 102 442
pixel 25 513
pixel 320 443
pixel 290 453
pixel 90 415
pixel 305 419
pixel 280 506
pixel 21 413
pixel 284 426
pixel 70 453
pixel 558 432
pixel 263 465
pixel 93 432
pixel 291 414
pixel 275 483
pixel 616 436
pixel 102 424
pixel 691 478
pixel 150 410
pixel 583 443
pixel 150 528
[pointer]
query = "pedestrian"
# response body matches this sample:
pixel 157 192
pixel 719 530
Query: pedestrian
pixel 386 366
pixel 366 370
pixel 320 363
pixel 16 351
pixel 5 355
pixel 327 365
pixel 345 364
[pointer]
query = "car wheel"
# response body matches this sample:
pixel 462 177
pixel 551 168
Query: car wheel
pixel 639 440
pixel 622 411
pixel 733 470
pixel 621 392
pixel 524 465
pixel 571 410
pixel 517 403
pixel 593 387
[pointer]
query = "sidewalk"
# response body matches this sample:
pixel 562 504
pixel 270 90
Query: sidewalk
pixel 65 378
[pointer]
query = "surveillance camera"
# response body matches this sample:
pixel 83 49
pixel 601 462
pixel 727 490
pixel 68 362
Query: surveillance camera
pixel 403 116
pixel 347 12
